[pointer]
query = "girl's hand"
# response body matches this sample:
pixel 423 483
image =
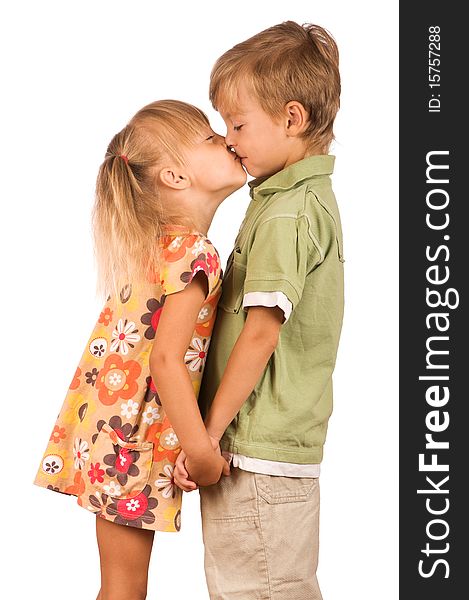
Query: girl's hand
pixel 181 476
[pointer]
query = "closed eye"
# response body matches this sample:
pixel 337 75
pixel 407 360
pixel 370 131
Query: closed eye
pixel 210 137
pixel 237 127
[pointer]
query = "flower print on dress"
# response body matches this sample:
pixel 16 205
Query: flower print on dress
pixel 96 473
pixel 134 511
pixel 206 318
pixel 79 409
pixel 171 439
pixel 177 520
pixel 52 464
pixel 166 444
pixel 91 376
pixel 198 248
pixel 198 264
pixel 213 262
pixel 151 393
pixel 124 335
pixel 78 486
pixel 125 293
pixel 129 409
pixel 106 316
pixel 97 503
pixel 172 515
pixel 152 318
pixel 117 380
pixel 203 313
pixel 98 347
pixel 121 464
pixel 176 248
pixel 58 433
pixel 196 354
pixel 150 415
pixel 124 431
pixel 113 489
pixel 76 380
pixel 81 453
pixel 166 484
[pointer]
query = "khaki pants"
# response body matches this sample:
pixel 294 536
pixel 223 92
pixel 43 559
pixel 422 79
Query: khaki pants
pixel 261 537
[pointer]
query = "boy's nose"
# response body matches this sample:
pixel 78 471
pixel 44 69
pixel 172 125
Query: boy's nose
pixel 228 141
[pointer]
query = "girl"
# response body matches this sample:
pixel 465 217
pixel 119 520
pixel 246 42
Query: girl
pixel 132 403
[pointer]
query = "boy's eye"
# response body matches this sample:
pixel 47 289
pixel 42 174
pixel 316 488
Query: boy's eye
pixel 237 127
pixel 210 137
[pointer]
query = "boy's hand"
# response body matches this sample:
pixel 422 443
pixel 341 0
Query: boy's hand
pixel 208 470
pixel 181 476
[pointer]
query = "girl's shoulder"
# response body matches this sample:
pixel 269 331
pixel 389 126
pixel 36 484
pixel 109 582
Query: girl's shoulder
pixel 183 255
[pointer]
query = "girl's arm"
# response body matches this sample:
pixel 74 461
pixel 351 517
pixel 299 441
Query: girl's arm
pixel 167 368
pixel 248 359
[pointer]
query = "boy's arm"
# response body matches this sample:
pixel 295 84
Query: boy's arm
pixel 173 382
pixel 248 359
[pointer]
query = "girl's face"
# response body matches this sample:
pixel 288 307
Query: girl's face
pixel 214 169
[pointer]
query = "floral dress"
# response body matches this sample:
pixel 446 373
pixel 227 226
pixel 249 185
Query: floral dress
pixel 112 445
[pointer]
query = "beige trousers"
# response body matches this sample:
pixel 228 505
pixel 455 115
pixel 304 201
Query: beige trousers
pixel 261 537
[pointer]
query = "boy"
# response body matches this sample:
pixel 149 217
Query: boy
pixel 267 389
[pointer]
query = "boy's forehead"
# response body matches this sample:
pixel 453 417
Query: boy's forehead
pixel 235 101
pixel 231 112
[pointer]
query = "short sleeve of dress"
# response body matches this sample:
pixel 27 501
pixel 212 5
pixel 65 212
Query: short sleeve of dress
pixel 185 255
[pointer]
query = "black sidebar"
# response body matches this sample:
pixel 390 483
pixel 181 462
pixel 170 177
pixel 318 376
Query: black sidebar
pixel 434 330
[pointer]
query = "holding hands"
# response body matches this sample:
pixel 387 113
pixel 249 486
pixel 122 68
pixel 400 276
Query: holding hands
pixel 190 472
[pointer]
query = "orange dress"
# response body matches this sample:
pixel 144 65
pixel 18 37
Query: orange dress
pixel 112 445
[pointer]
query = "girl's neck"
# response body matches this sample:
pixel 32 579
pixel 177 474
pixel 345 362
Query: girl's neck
pixel 201 215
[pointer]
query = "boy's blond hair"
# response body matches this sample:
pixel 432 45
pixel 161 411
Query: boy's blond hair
pixel 283 63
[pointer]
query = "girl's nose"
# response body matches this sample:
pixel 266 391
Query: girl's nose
pixel 221 139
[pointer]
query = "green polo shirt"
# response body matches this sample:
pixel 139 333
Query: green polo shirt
pixel 290 241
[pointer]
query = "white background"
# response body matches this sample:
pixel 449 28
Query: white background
pixel 73 73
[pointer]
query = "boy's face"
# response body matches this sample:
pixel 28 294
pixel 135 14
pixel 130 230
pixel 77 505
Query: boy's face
pixel 214 169
pixel 261 142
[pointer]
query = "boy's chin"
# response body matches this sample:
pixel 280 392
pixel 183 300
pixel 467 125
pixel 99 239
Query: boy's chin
pixel 257 172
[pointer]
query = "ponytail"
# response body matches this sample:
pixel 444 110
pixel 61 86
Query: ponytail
pixel 129 216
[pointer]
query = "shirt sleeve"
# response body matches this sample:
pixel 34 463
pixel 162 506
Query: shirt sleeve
pixel 184 259
pixel 279 258
pixel 269 299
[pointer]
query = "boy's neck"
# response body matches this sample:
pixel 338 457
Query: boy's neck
pixel 302 152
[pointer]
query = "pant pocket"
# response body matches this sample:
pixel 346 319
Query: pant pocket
pixel 118 468
pixel 279 490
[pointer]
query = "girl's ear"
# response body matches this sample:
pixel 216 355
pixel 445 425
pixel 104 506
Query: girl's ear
pixel 296 118
pixel 174 178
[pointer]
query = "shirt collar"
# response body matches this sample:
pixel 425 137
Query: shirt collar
pixel 312 166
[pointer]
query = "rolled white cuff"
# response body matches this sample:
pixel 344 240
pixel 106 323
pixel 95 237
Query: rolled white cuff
pixel 269 299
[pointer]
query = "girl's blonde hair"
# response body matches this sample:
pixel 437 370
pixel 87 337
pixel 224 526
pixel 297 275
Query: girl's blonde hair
pixel 128 215
pixel 283 63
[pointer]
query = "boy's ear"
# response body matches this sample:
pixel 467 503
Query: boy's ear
pixel 174 178
pixel 297 118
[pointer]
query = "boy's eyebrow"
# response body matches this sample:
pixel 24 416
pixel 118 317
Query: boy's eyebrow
pixel 230 115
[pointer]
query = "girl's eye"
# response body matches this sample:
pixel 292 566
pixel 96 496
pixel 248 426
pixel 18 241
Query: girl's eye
pixel 210 137
pixel 237 127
